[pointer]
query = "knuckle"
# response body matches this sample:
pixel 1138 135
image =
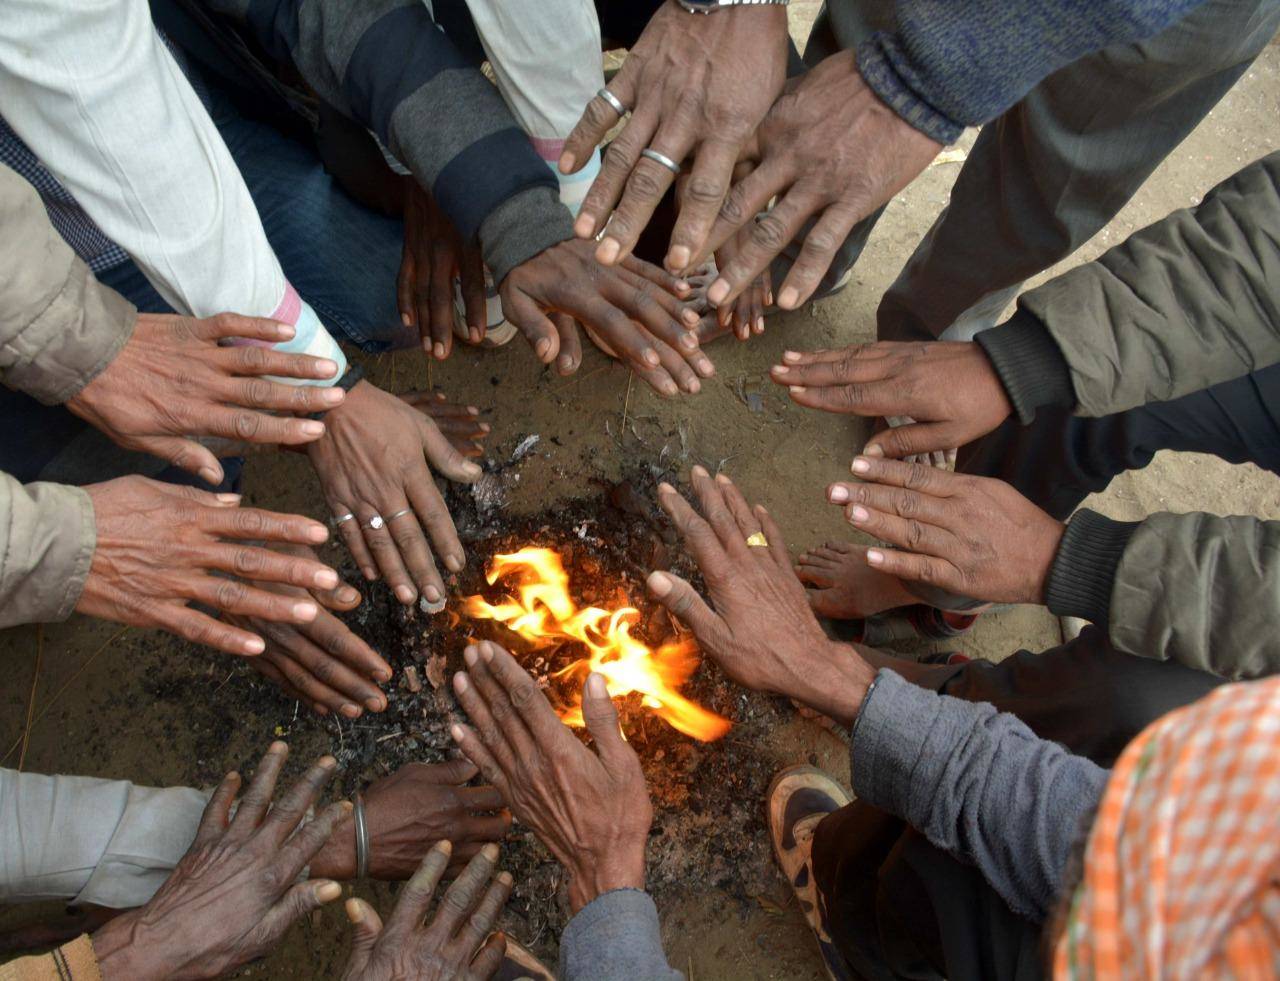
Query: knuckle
pixel 770 233
pixel 915 533
pixel 818 243
pixel 732 209
pixel 247 424
pixel 249 524
pixel 248 561
pixel 704 190
pixel 645 183
pixel 257 391
pixel 523 695
pixel 253 357
pixel 917 476
pixel 905 504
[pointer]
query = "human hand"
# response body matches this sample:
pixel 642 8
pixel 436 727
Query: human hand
pixel 975 536
pixel 453 945
pixel 235 893
pixel 158 545
pixel 375 461
pixel 418 804
pixel 433 254
pixel 643 324
pixel 949 388
pixel 591 810
pixel 460 424
pixel 172 380
pixel 828 149
pixel 697 86
pixel 744 315
pixel 762 631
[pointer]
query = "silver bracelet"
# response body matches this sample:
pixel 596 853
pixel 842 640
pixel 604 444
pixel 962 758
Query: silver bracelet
pixel 707 6
pixel 362 838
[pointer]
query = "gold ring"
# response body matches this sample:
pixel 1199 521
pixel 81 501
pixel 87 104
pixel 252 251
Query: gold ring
pixel 758 540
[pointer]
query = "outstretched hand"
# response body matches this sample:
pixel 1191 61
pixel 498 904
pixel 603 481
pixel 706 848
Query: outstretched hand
pixel 591 810
pixel 761 631
pixel 236 891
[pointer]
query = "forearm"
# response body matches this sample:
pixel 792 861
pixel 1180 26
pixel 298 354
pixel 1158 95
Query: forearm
pixel 105 842
pixel 47 538
pixel 1184 304
pixel 91 89
pixel 616 937
pixel 1195 588
pixel 946 65
pixel 978 784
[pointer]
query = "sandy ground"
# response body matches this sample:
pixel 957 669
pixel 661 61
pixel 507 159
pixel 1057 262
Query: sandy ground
pixel 79 681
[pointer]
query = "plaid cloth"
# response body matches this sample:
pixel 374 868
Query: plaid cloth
pixel 1182 870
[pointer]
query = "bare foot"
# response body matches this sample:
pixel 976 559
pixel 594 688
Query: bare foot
pixel 842 586
pixel 701 279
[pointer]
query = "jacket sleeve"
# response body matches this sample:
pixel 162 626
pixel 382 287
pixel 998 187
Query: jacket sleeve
pixel 615 937
pixel 47 538
pixel 106 842
pixel 1194 588
pixel 90 88
pixel 978 784
pixel 387 65
pixel 58 326
pixel 1186 303
pixel 949 65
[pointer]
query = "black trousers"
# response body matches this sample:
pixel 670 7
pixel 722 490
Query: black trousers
pixel 901 908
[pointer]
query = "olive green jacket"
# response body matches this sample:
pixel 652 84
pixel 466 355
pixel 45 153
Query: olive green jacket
pixel 58 328
pixel 1184 304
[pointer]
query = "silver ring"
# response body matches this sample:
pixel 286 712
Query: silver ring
pixel 341 518
pixel 661 158
pixel 612 99
pixel 399 514
pixel 376 522
pixel 362 838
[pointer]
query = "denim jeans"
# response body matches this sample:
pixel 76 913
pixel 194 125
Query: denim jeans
pixel 340 256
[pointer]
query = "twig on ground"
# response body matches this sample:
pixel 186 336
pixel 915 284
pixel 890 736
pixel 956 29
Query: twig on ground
pixel 626 402
pixel 31 700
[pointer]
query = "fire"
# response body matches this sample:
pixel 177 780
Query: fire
pixel 543 613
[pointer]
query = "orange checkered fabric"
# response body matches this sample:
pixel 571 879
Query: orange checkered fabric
pixel 1182 869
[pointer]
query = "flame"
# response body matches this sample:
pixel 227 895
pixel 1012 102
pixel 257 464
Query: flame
pixel 545 615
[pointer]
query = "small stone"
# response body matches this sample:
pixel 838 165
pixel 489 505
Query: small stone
pixel 411 678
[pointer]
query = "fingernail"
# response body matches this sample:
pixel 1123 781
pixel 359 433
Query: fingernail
pixel 650 357
pixel 779 369
pixel 768 298
pixel 688 341
pixel 659 584
pixel 279 746
pixel 596 686
pixel 375 704
pixel 326 579
pixel 875 450
pixel 472 469
pixel 490 851
pixel 453 563
pixel 791 356
pixel 470 655
pixel 566 163
pixel 382 675
pixel 609 251
pixel 788 298
pixel 456 733
pixel 369 573
pixel 285 331
pixel 332 396
pixel 326 892
pixel 229 498
pixel 327 368
pixel 439 351
pixel 874 557
pixel 471 409
pixel 541 348
pixel 566 365
pixel 350 711
pixel 683 285
pixel 304 611
pixel 860 465
pixel 486 652
pixel 404 594
pixel 355 910
pixel 669 388
pixel 838 494
pixel 859 513
pixel 432 594
pixel 759 325
pixel 678 257
pixel 210 476
pixel 704 367
pixel 797 389
pixel 699 470
pixel 584 227
pixel 723 479
pixel 348 595
pixel 313 427
pixel 665 488
pixel 405 319
pixel 254 645
pixel 318 533
pixel 719 290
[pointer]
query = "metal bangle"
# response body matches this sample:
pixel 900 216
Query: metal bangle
pixel 661 158
pixel 362 838
pixel 614 102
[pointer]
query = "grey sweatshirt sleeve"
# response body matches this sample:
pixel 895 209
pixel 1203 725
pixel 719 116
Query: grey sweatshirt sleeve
pixel 1183 304
pixel 615 937
pixel 978 784
pixel 106 842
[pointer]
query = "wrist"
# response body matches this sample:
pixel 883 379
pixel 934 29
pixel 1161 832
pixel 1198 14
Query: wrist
pixel 337 856
pixel 834 682
pixel 122 955
pixel 623 868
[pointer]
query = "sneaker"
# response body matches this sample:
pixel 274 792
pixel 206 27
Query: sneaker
pixel 497 330
pixel 519 964
pixel 799 798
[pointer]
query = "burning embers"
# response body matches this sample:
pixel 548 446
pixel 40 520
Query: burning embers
pixel 544 615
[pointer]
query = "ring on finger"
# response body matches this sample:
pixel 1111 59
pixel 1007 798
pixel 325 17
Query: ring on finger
pixel 757 540
pixel 613 101
pixel 661 158
pixel 375 523
pixel 339 518
pixel 399 514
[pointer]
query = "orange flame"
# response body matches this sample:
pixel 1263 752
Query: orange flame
pixel 545 615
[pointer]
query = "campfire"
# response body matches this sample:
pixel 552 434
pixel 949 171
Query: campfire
pixel 543 614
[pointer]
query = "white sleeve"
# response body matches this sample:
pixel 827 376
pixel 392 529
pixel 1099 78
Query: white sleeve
pixel 89 86
pixel 105 842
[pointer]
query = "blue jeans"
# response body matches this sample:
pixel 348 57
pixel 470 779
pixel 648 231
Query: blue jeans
pixel 341 257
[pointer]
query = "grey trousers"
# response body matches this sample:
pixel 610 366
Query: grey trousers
pixel 1051 172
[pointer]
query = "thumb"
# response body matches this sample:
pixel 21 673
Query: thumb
pixel 366 927
pixel 185 454
pixel 685 604
pixel 903 441
pixel 297 903
pixel 444 457
pixel 601 717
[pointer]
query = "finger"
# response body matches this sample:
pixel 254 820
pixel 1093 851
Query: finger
pixel 537 329
pixel 769 235
pixel 745 200
pixel 892 500
pixel 320 676
pixel 273 674
pixel 217 813
pixel 486 963
pixel 711 502
pixel 916 568
pixel 860 352
pixel 462 896
pixel 353 538
pixel 499 743
pixel 660 312
pixel 406 532
pixel 476 751
pixel 302 684
pixel 334 637
pixel 481 798
pixel 570 343
pixel 777 544
pixel 474 294
pixel 909 533
pixel 444 459
pixel 915 438
pixel 290 809
pixel 228 325
pixel 601 717
pixel 235 596
pixel 250 359
pixel 858 364
pixel 684 603
pixel 263 393
pixel 913 476
pixel 201 629
pixel 259 525
pixel 598 117
pixel 521 691
pixel 185 454
pixel 386 554
pixel 366 927
pixel 484 828
pixel 293 906
pixel 670 283
pixel 434 514
pixel 509 718
pixel 266 565
pixel 700 203
pixel 697 534
pixel 342 597
pixel 630 344
pixel 416 896
pixel 297 853
pixel 440 298
pixel 616 163
pixel 816 252
pixel 644 189
pixel 256 800
pixel 406 276
pixel 676 367
pixel 489 906
pixel 743 516
pixel 449 772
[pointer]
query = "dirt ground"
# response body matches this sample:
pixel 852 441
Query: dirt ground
pixel 133 704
